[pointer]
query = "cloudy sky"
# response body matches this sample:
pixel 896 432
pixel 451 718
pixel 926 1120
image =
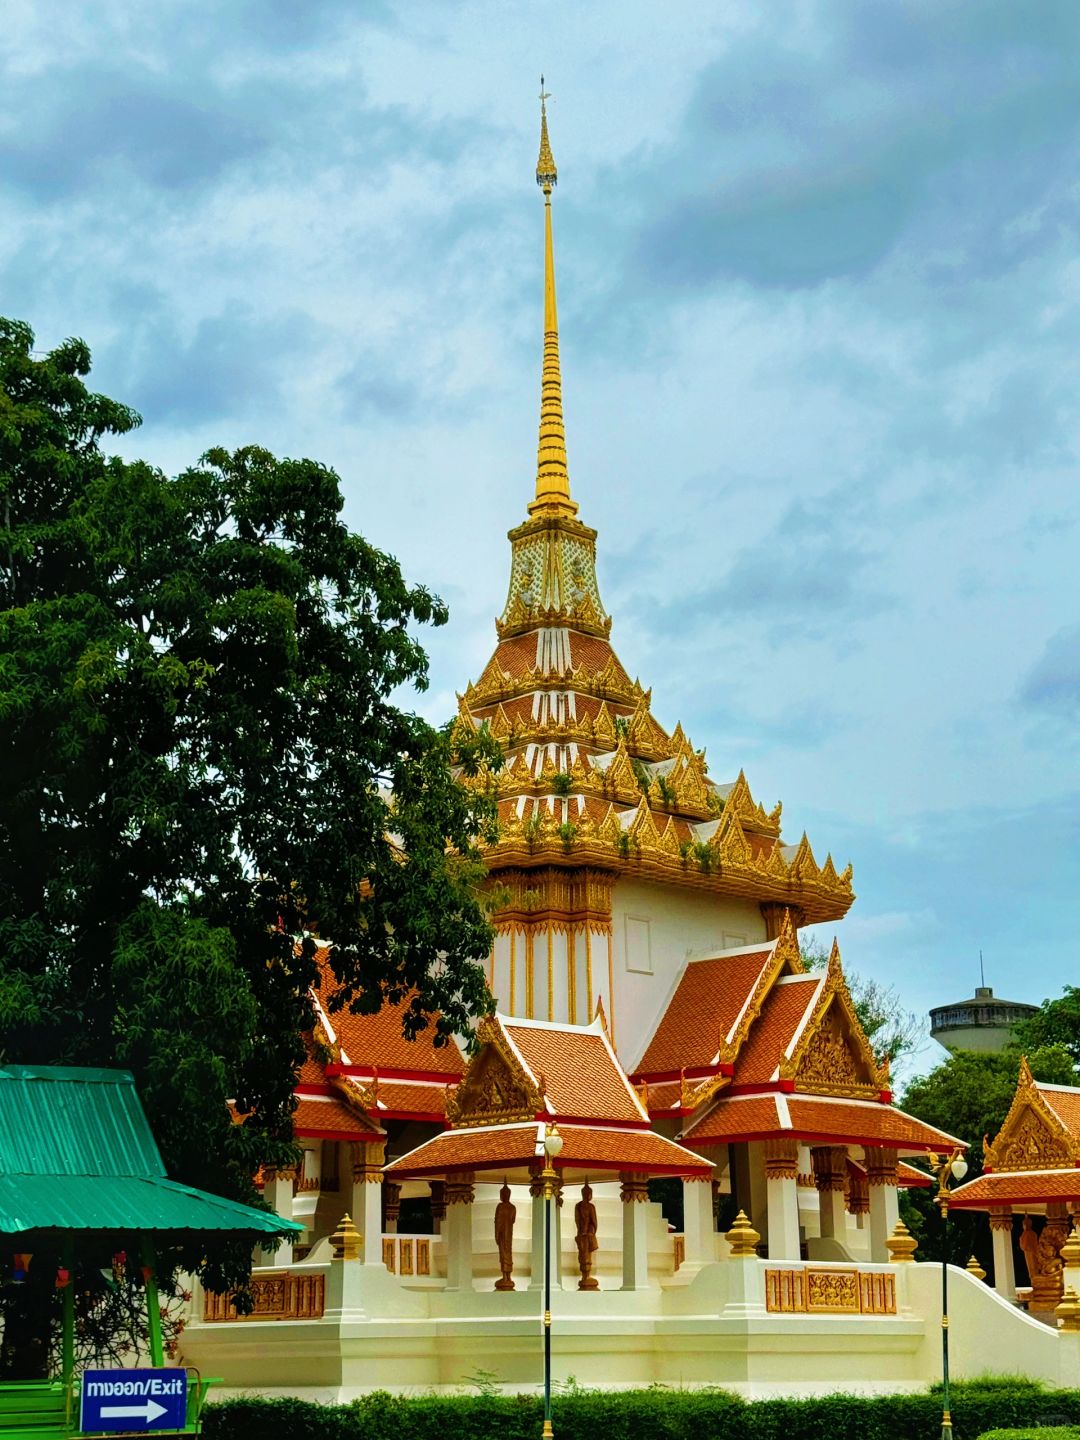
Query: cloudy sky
pixel 826 255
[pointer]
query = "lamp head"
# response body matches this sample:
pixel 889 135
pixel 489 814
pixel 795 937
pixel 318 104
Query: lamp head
pixel 553 1142
pixel 959 1167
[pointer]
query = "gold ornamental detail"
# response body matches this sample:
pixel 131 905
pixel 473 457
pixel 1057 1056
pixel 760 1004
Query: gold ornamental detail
pixel 283 1296
pixel 495 1089
pixel 834 1057
pixel 824 1291
pixel 781 1159
pixel 1032 1136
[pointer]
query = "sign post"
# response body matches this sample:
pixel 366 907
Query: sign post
pixel 133 1400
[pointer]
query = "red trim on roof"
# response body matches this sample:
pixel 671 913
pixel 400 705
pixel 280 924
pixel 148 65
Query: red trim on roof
pixel 368 1072
pixel 369 1137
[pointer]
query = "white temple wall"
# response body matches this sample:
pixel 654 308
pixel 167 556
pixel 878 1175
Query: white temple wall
pixel 714 1329
pixel 549 971
pixel 655 930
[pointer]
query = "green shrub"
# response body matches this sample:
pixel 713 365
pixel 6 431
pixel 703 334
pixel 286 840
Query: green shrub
pixel 1047 1432
pixel 658 1414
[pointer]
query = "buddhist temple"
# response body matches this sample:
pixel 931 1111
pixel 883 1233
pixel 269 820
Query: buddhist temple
pixel 1032 1170
pixel 695 1118
pixel 618 853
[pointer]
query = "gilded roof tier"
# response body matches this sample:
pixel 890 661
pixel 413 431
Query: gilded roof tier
pixel 591 776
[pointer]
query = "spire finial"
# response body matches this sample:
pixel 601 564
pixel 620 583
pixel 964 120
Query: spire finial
pixel 552 474
pixel 547 176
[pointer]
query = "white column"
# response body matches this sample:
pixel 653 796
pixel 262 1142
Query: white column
pixel 634 1193
pixel 830 1165
pixel 366 1206
pixel 311 1171
pixel 1001 1230
pixel 698 1227
pixel 884 1201
pixel 781 1183
pixel 458 1231
pixel 278 1192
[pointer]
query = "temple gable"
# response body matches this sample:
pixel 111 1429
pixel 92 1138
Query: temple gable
pixel 494 1090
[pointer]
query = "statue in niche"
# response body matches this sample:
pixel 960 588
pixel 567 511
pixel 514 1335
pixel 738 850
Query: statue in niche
pixel 585 1237
pixel 1029 1246
pixel 1047 1289
pixel 505 1215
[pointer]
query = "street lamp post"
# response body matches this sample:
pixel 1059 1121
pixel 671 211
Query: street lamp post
pixel 954 1168
pixel 553 1144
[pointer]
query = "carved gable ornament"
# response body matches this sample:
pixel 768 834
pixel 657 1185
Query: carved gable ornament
pixel 833 1055
pixel 494 1090
pixel 1032 1137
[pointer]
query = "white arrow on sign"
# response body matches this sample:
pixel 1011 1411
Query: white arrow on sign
pixel 150 1411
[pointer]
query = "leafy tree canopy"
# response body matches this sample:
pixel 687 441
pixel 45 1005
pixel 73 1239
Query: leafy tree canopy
pixel 201 759
pixel 1056 1023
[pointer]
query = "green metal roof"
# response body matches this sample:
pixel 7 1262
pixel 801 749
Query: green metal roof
pixel 77 1153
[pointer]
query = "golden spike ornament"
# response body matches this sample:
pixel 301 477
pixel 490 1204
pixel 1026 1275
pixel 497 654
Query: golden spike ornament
pixel 552 473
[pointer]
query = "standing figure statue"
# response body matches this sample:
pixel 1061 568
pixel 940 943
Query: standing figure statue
pixel 1029 1245
pixel 587 1244
pixel 505 1215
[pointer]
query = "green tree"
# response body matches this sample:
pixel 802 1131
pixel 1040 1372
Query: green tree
pixel 968 1095
pixel 892 1031
pixel 1057 1022
pixel 201 759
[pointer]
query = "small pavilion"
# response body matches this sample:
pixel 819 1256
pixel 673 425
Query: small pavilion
pixel 1031 1169
pixel 527 1076
pixel 81 1178
pixel 765 1067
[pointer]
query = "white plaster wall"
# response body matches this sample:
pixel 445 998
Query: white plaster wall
pixel 711 1329
pixel 682 925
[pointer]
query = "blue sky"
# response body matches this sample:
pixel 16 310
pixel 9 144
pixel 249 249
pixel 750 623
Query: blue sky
pixel 819 282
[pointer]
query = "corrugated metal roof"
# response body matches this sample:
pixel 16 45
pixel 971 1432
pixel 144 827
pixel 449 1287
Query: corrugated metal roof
pixel 112 1202
pixel 59 1121
pixel 77 1153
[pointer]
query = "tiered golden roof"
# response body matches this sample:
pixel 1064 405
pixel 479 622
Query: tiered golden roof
pixel 591 777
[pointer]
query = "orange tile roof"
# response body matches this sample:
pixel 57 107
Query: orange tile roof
pixel 515 657
pixel 665 1095
pixel 910 1177
pixel 859 1122
pixel 329 1116
pixel 1064 1100
pixel 1017 1187
pixel 703 1009
pixel 399 1099
pixel 741 1117
pixel 773 1030
pixel 582 1078
pixel 592 653
pixel 378 1040
pixel 839 1122
pixel 585 1148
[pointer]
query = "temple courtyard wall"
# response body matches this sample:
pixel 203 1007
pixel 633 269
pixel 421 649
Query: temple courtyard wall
pixel 735 1323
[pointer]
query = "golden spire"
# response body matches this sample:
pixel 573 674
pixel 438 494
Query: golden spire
pixel 552 475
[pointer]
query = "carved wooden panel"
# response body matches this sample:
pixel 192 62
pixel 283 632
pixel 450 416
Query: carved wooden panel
pixel 276 1297
pixel 388 1254
pixel 423 1257
pixel 405 1257
pixel 821 1290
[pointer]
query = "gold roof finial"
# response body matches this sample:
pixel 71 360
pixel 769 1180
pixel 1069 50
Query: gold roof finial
pixel 547 176
pixel 552 474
